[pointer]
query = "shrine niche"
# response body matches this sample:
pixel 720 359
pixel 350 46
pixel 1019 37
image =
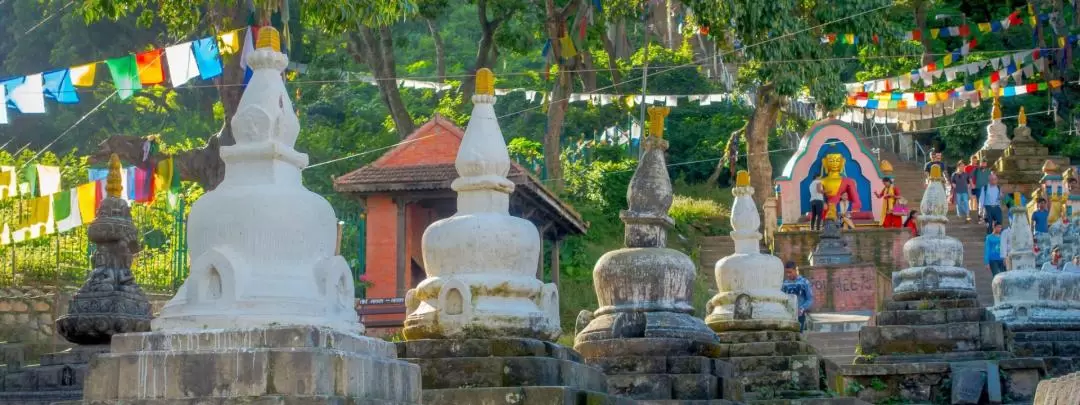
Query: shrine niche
pixel 832 149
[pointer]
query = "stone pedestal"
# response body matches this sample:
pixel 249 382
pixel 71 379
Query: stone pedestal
pixel 1061 390
pixel 831 249
pixel 59 377
pixel 933 342
pixel 505 370
pixel 1021 163
pixel 277 365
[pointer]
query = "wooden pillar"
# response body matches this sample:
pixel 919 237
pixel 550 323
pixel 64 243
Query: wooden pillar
pixel 402 204
pixel 555 245
pixel 540 263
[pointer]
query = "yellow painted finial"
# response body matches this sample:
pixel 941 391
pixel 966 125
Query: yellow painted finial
pixel 113 183
pixel 1016 197
pixel 656 120
pixel 995 112
pixel 935 172
pixel 269 38
pixel 742 179
pixel 1022 118
pixel 485 82
pixel 886 167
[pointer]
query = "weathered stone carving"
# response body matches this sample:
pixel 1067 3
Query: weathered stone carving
pixel 831 249
pixel 109 302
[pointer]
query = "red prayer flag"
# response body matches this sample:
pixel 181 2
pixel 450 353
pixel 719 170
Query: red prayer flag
pixel 151 70
pixel 931 67
pixel 995 77
pixel 916 35
pixel 973 43
pixel 1014 18
pixel 1032 87
pixel 920 96
pixel 876 40
pixel 965 31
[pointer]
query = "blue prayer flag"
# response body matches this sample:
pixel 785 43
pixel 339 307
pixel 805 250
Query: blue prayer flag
pixel 130 174
pixel 1009 91
pixel 59 87
pixel 9 89
pixel 871 104
pixel 207 57
pixel 995 26
pixel 97 173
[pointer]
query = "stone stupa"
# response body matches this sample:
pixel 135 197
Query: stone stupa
pixel 1041 309
pixel 644 335
pixel 266 315
pixel 1021 163
pixel 755 321
pixel 481 325
pixel 933 342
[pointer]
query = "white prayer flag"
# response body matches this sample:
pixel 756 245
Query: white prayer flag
pixel 29 97
pixel 181 61
pixel 672 101
pixel 3 111
pixel 74 218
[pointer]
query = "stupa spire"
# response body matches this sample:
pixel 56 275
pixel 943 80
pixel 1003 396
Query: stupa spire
pixel 649 196
pixel 113 183
pixel 483 160
pixel 996 133
pixel 745 221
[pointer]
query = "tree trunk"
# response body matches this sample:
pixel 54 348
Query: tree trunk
pixel 920 24
pixel 612 64
pixel 376 51
pixel 440 55
pixel 555 25
pixel 588 73
pixel 732 143
pixel 758 129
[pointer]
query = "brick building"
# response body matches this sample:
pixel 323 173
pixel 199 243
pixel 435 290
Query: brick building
pixel 408 188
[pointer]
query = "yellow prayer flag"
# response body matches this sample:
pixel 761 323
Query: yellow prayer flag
pixel 948 60
pixel 40 208
pixel 163 174
pixel 83 76
pixel 943 95
pixel 934 32
pixel 849 39
pixel 230 42
pixel 985 27
pixel 1055 84
pixel 87 196
pixel 568 50
pixel 1061 42
pixel 978 85
pixel 1034 21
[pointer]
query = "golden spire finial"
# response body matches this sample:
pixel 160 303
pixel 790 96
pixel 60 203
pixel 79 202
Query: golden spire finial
pixel 485 82
pixel 1050 167
pixel 742 179
pixel 935 172
pixel 995 112
pixel 269 38
pixel 656 120
pixel 1022 118
pixel 113 185
pixel 886 167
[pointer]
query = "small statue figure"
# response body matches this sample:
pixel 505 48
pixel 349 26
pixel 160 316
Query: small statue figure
pixel 836 184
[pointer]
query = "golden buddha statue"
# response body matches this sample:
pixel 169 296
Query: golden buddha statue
pixel 836 184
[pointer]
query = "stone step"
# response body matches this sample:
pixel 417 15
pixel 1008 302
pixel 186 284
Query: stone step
pixel 837 322
pixel 929 339
pixel 937 357
pixel 931 317
pixel 522 396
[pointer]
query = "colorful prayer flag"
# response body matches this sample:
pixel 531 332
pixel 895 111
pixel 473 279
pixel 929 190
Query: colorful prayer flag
pixel 83 76
pixel 249 48
pixel 3 108
pixel 207 57
pixel 182 65
pixel 66 210
pixel 984 27
pixel 230 42
pixel 125 75
pixel 8 186
pixel 87 196
pixel 28 181
pixel 48 178
pixel 151 70
pixel 568 49
pixel 29 96
pixel 58 87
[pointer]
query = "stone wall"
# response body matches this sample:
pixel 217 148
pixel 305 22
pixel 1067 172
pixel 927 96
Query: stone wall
pixel 28 313
pixel 848 287
pixel 884 248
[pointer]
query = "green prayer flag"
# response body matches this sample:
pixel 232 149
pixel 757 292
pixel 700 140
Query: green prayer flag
pixel 62 205
pixel 1043 86
pixel 125 75
pixel 28 181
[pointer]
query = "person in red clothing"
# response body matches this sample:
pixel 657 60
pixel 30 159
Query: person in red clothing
pixel 912 224
pixel 889 195
pixel 973 202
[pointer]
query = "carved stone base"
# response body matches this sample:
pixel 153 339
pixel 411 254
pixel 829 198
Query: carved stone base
pixel 933 282
pixel 1060 350
pixel 59 377
pixel 772 365
pixel 282 365
pixel 95 316
pixel 695 378
pixel 479 371
pixel 669 334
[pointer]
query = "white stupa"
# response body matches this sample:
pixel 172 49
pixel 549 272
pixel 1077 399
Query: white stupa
pixel 749 281
pixel 997 137
pixel 262 246
pixel 481 262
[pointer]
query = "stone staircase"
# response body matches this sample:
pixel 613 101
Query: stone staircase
pixel 838 347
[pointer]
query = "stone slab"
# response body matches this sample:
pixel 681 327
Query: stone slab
pixel 490 372
pixel 926 339
pixel 249 400
pixel 932 304
pixel 522 396
pixel 649 346
pixel 281 365
pixel 39 398
pixel 930 316
pixel 935 358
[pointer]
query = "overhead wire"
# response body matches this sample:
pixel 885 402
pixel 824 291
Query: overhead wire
pixel 47 18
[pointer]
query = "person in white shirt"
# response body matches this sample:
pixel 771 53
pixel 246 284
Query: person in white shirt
pixel 1005 246
pixel 1055 263
pixel 1072 266
pixel 817 204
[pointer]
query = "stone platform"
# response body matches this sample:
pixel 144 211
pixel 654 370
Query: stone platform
pixel 1060 350
pixel 277 365
pixel 505 370
pixel 937 350
pixel 59 377
pixel 772 366
pixel 664 369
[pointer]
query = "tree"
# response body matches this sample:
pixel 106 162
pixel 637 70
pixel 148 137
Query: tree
pixel 776 33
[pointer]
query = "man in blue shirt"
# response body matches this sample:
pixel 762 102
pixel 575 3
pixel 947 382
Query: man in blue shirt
pixel 992 254
pixel 798 286
pixel 1041 217
pixel 990 198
